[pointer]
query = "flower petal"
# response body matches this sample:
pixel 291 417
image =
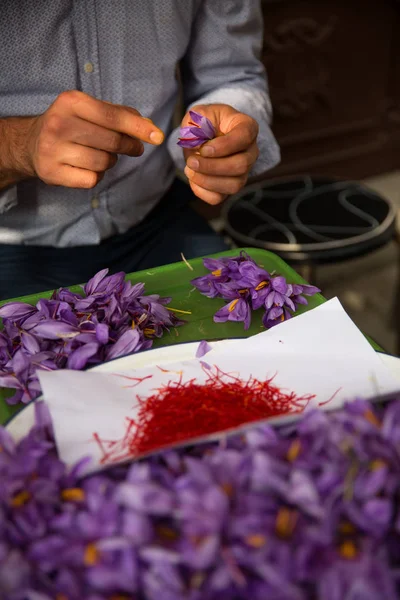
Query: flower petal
pixel 203 348
pixel 16 310
pixel 78 358
pixel 127 343
pixel 53 330
pixel 279 284
pixel 93 283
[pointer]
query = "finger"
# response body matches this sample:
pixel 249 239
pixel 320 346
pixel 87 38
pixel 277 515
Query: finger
pixel 239 139
pixel 123 119
pixel 83 157
pixel 74 129
pixel 73 177
pixel 222 185
pixel 210 197
pixel 94 136
pixel 237 164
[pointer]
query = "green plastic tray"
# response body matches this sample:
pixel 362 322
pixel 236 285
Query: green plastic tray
pixel 174 280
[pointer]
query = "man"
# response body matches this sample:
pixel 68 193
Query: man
pixel 87 152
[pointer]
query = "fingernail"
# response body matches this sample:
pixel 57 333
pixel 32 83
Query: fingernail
pixel 147 119
pixel 156 137
pixel 207 151
pixel 193 163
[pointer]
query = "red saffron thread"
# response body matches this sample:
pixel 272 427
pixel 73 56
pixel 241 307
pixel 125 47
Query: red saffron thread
pixel 329 399
pixel 138 380
pixel 180 412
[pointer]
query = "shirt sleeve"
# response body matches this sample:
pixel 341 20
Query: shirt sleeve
pixel 222 65
pixel 8 199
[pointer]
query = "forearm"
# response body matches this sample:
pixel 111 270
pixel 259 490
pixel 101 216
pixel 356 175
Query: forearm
pixel 14 157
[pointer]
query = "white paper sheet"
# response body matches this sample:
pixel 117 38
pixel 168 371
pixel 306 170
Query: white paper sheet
pixel 320 352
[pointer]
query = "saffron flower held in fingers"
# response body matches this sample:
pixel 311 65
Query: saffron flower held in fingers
pixel 199 130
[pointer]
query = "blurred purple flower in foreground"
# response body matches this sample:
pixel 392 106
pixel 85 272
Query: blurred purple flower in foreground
pixel 305 511
pixel 248 287
pixel 111 319
pixel 199 130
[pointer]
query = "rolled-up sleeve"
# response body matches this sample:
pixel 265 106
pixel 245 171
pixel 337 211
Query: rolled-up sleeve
pixel 222 66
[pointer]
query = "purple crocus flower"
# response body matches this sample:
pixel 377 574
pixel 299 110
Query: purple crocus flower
pixel 206 286
pixel 241 277
pixel 251 275
pixel 199 130
pixel 296 292
pixel 271 512
pixel 277 294
pixel 110 319
pixel 236 310
pixel 275 315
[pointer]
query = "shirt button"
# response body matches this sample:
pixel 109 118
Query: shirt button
pixel 95 202
pixel 89 68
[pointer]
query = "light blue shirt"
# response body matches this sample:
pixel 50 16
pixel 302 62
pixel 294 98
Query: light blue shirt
pixel 126 52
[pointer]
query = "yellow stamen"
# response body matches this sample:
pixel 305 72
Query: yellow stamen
pixel 256 541
pixel 232 305
pixel 73 495
pixel 346 528
pixel 244 291
pixel 21 498
pixel 149 331
pixel 133 325
pixel 61 597
pixel 348 550
pixel 217 273
pixel 285 522
pixel 283 317
pixel 373 419
pixel 294 450
pixel 91 555
pixel 376 464
pixel 183 312
pixel 261 285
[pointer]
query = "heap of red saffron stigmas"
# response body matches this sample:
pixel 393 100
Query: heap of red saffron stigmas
pixel 180 412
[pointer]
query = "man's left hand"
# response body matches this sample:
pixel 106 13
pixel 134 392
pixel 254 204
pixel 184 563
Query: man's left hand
pixel 222 165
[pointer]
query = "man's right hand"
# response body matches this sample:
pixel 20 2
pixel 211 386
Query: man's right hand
pixel 77 140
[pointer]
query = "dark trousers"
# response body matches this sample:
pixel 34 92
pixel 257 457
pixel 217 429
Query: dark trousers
pixel 171 228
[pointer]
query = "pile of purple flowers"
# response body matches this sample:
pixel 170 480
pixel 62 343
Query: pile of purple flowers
pixel 303 512
pixel 247 287
pixel 112 318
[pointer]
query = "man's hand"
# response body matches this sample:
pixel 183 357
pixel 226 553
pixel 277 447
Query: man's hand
pixel 76 140
pixel 221 166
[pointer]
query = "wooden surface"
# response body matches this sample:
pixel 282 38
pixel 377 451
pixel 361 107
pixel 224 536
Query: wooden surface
pixel 334 76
